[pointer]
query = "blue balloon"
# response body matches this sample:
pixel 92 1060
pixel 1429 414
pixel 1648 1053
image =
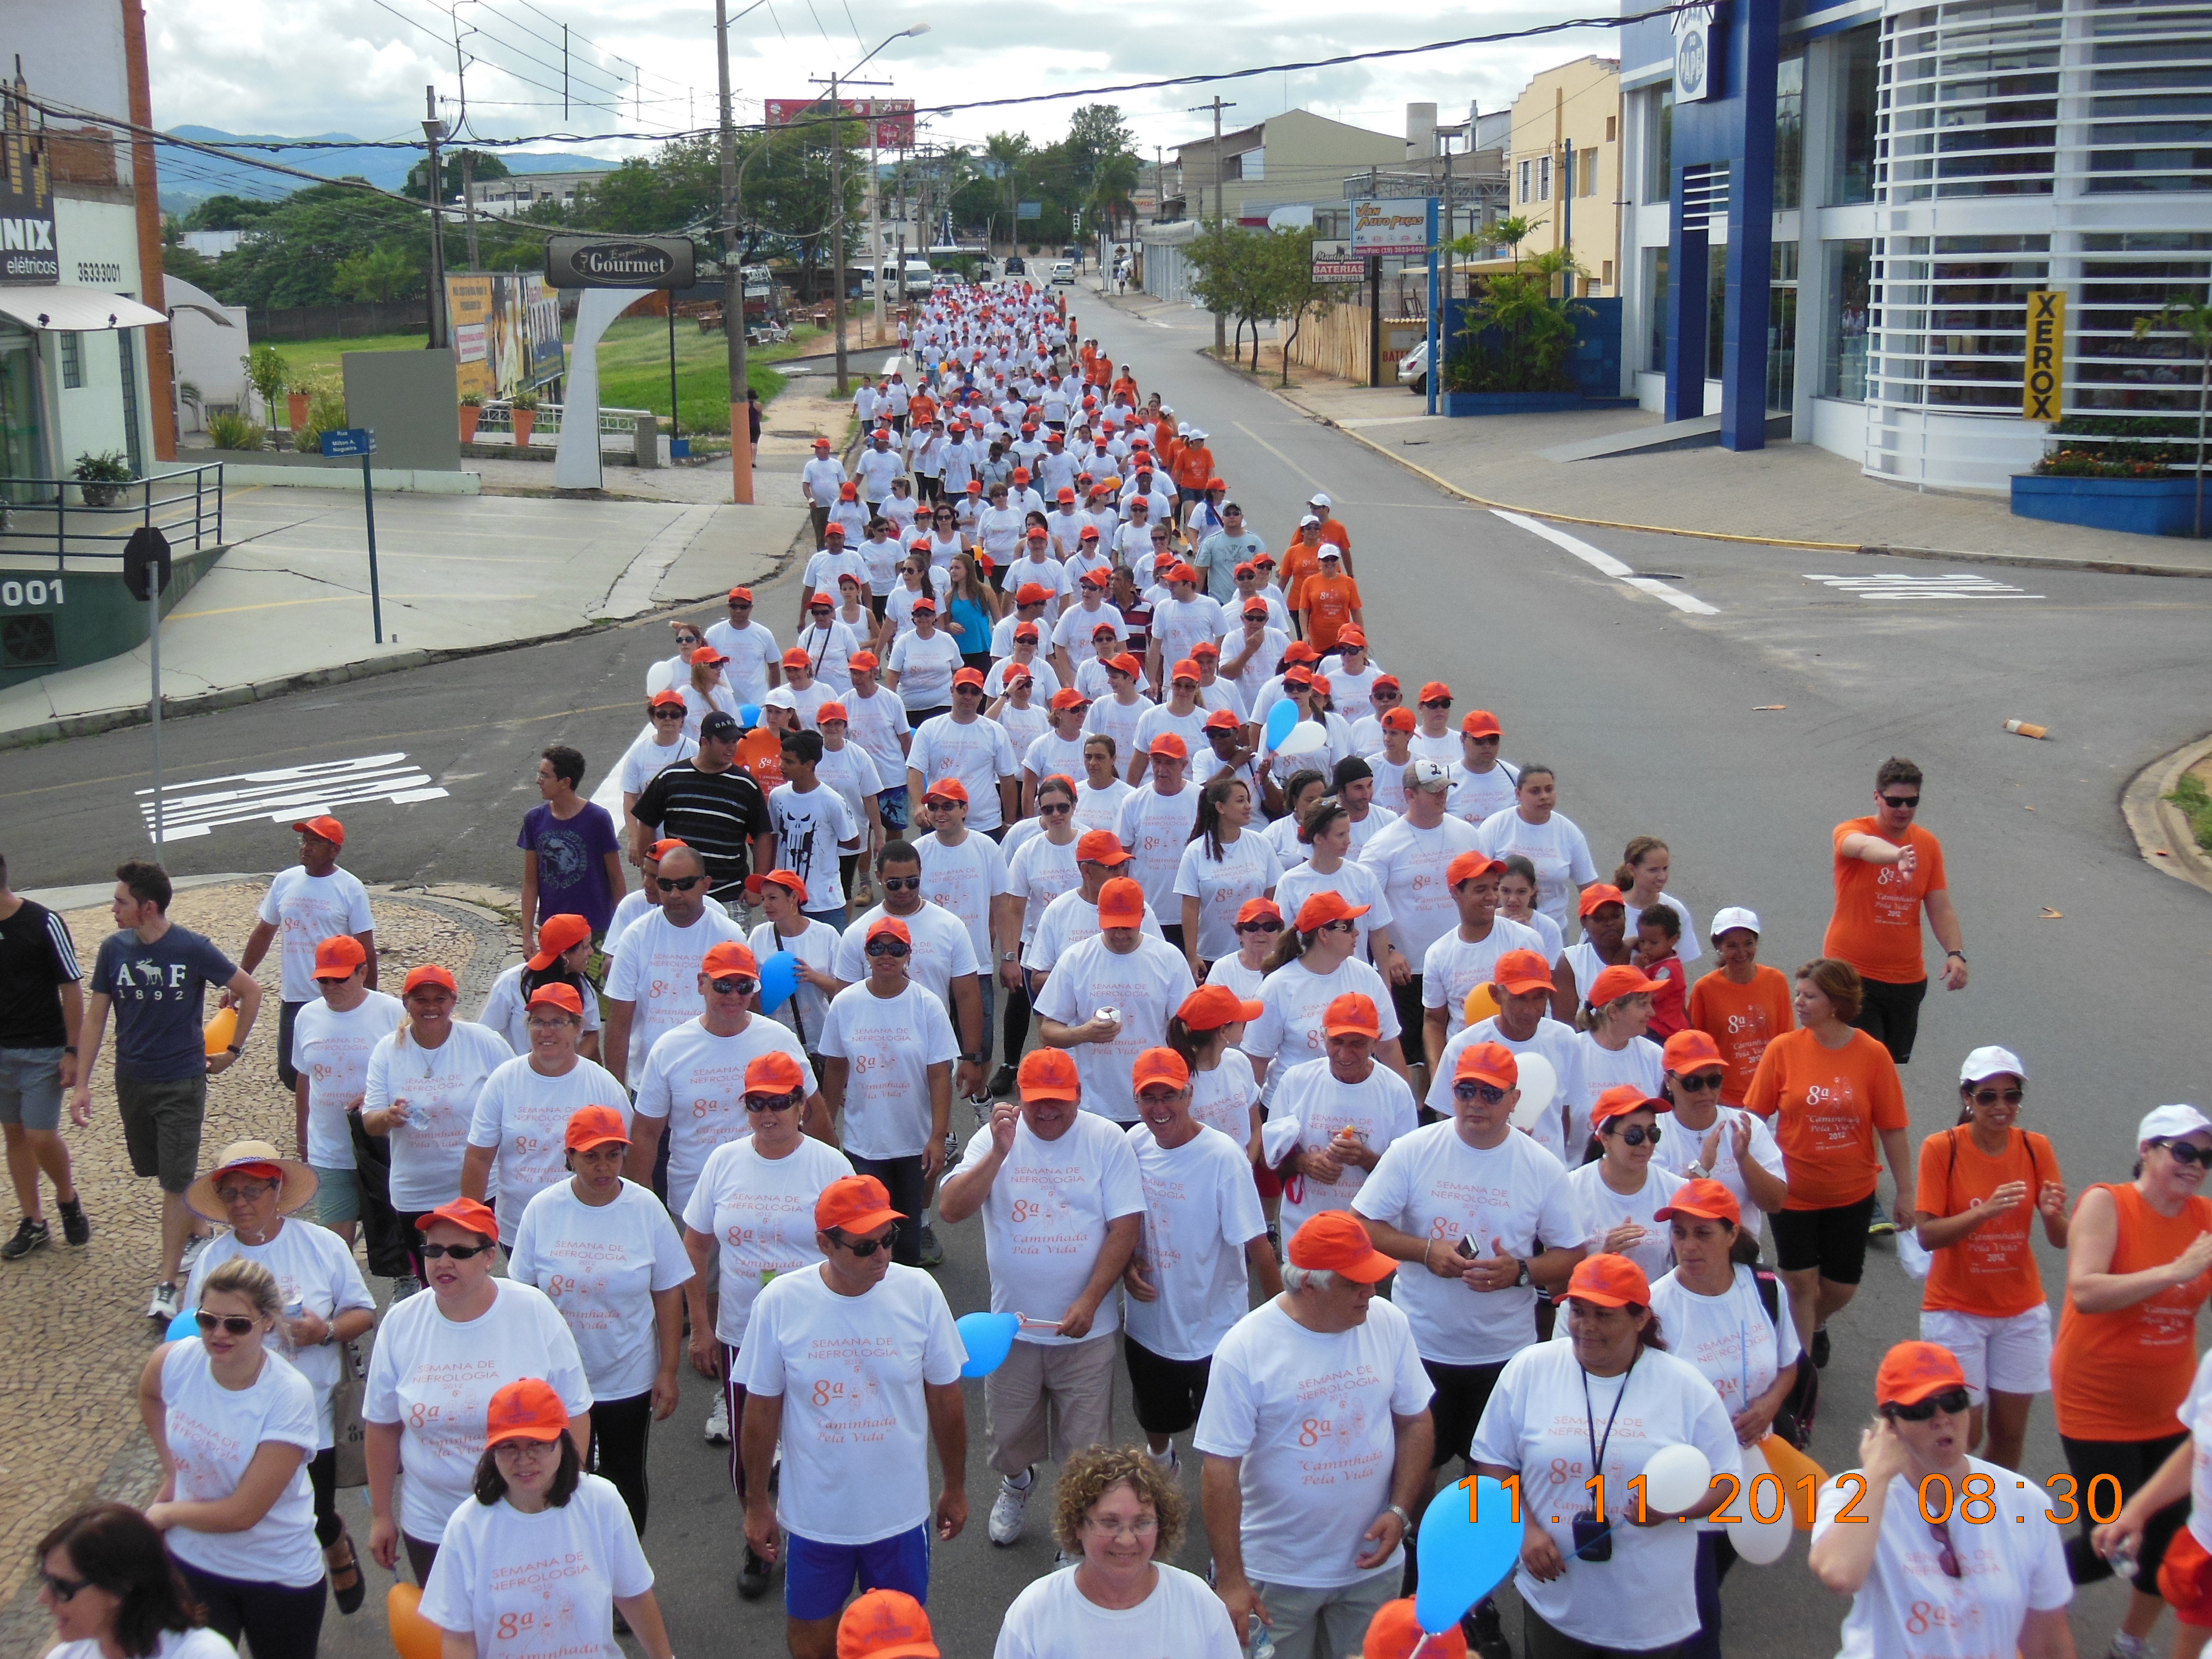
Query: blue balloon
pixel 1280 719
pixel 182 1326
pixel 1461 1560
pixel 749 716
pixel 779 978
pixel 989 1337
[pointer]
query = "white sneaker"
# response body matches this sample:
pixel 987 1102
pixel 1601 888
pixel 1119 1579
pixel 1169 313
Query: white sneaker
pixel 1167 1463
pixel 717 1422
pixel 404 1287
pixel 169 1301
pixel 195 1247
pixel 1008 1508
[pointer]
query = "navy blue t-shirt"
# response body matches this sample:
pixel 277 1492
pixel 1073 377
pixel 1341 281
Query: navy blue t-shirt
pixel 159 991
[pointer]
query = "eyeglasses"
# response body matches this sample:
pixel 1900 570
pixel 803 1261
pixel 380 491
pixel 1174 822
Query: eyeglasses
pixel 886 947
pixel 774 1102
pixel 1263 925
pixel 1701 1083
pixel 668 714
pixel 1990 1097
pixel 1437 703
pixel 1488 1093
pixel 236 1324
pixel 1954 1401
pixel 458 1252
pixel 62 1589
pixel 552 1022
pixel 733 985
pixel 1636 1134
pixel 1387 696
pixel 2183 1151
pixel 677 883
pixel 241 1192
pixel 863 1248
pixel 1053 809
pixel 1346 926
pixel 1900 803
pixel 903 884
pixel 332 979
pixel 1143 1527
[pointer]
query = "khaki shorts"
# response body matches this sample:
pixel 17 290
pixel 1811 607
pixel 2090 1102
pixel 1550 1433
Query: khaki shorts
pixel 161 1127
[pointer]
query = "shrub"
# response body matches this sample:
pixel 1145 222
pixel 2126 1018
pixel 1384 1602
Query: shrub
pixel 2130 448
pixel 2195 804
pixel 232 431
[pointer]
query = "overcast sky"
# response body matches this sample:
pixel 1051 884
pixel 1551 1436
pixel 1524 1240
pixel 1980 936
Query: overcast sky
pixel 359 66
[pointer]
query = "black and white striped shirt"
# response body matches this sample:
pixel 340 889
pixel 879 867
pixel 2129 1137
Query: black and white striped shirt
pixel 36 956
pixel 713 813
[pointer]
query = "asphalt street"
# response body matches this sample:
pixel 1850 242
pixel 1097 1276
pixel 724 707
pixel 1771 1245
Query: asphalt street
pixel 1739 720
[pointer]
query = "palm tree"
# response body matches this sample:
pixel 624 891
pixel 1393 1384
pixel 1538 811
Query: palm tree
pixel 2187 318
pixel 1009 150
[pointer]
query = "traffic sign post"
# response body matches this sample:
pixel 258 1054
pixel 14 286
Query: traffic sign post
pixel 361 440
pixel 145 574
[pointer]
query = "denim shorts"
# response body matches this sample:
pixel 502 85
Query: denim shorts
pixel 337 1195
pixel 31 1087
pixel 819 1578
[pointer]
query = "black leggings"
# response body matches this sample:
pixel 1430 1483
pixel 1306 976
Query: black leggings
pixel 323 1477
pixel 619 1429
pixel 1016 1022
pixel 278 1622
pixel 902 1179
pixel 2130 1462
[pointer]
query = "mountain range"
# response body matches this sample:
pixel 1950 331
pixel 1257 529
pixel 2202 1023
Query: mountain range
pixel 199 175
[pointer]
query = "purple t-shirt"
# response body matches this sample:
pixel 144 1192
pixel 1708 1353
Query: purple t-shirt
pixel 572 862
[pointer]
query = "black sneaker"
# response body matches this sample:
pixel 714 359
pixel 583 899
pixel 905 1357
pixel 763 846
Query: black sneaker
pixel 1821 1349
pixel 752 1575
pixel 1002 1080
pixel 1485 1631
pixel 29 1236
pixel 76 1229
pixel 933 1252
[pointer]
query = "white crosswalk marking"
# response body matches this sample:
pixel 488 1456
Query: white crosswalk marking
pixel 284 794
pixel 1948 585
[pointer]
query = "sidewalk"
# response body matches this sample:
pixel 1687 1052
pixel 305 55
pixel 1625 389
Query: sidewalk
pixel 289 606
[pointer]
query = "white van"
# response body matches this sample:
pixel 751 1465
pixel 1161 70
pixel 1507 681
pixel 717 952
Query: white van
pixel 1063 271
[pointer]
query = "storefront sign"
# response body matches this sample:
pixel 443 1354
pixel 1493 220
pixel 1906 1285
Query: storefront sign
pixel 893 117
pixel 27 253
pixel 1339 270
pixel 2042 382
pixel 1696 38
pixel 1397 225
pixel 620 261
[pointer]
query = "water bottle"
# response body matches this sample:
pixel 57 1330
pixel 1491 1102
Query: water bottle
pixel 1261 1644
pixel 2122 1557
pixel 279 1339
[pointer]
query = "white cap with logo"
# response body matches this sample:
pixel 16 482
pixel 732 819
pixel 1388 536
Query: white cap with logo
pixel 2170 1123
pixel 1735 916
pixel 1427 774
pixel 1991 1061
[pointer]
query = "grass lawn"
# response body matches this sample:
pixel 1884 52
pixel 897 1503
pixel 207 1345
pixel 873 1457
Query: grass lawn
pixel 633 366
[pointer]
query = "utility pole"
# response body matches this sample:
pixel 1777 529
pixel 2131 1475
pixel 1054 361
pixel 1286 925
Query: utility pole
pixel 837 230
pixel 876 223
pixel 1220 323
pixel 564 61
pixel 469 202
pixel 433 131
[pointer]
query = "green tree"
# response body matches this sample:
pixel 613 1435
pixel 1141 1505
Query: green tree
pixel 228 213
pixel 1095 136
pixel 1008 151
pixel 388 272
pixel 2193 322
pixel 1519 332
pixel 1231 280
pixel 1291 295
pixel 300 244
pixel 449 168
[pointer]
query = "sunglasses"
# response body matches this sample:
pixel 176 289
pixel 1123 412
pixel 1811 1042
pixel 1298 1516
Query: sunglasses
pixel 236 1324
pixel 1437 703
pixel 677 883
pixel 902 884
pixel 1900 803
pixel 886 947
pixel 2183 1151
pixel 1636 1134
pixel 774 1102
pixel 1053 809
pixel 1701 1083
pixel 332 979
pixel 458 1252
pixel 668 714
pixel 1990 1097
pixel 1347 925
pixel 1488 1093
pixel 62 1589
pixel 1260 926
pixel 1387 696
pixel 1952 1400
pixel 734 985
pixel 242 1192
pixel 865 1248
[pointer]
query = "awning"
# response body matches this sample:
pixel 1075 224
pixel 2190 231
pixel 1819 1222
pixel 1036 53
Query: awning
pixel 60 308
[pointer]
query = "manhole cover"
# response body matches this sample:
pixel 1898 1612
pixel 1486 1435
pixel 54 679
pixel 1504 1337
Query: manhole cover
pixel 1662 576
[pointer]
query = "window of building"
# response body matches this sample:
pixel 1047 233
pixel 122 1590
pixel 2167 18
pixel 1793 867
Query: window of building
pixel 1655 299
pixel 2151 118
pixel 1659 145
pixel 1782 328
pixel 1605 269
pixel 72 360
pixel 1843 367
pixel 131 440
pixel 1789 131
pixel 2126 276
pixel 1590 171
pixel 1716 309
pixel 1950 318
pixel 1612 127
pixel 1543 177
pixel 1970 100
pixel 1528 170
pixel 1851 176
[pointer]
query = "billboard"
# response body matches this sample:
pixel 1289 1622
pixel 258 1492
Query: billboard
pixel 28 253
pixel 2043 380
pixel 621 262
pixel 1395 225
pixel 506 331
pixel 894 117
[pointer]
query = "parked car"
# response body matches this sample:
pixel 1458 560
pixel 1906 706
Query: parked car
pixel 1413 369
pixel 1064 271
pixel 1017 266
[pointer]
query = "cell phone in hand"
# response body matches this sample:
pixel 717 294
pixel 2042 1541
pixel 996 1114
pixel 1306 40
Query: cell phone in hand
pixel 1466 1250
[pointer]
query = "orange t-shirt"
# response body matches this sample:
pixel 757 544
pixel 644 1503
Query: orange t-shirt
pixel 1299 562
pixel 1193 466
pixel 1876 924
pixel 1824 1105
pixel 1991 1271
pixel 2123 1376
pixel 1328 602
pixel 1743 1019
pixel 921 409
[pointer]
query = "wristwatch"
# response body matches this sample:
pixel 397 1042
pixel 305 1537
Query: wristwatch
pixel 1521 1276
pixel 1947 955
pixel 1405 1520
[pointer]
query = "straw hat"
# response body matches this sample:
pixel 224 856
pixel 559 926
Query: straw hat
pixel 298 1180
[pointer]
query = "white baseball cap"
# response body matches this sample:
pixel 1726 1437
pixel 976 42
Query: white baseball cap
pixel 2170 1123
pixel 1308 519
pixel 1427 772
pixel 1734 916
pixel 1317 499
pixel 1991 1061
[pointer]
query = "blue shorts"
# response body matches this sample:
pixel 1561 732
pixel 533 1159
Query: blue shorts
pixel 818 1578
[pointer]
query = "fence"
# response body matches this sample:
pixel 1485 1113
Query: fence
pixel 62 518
pixel 1335 342
pixel 349 321
pixel 495 425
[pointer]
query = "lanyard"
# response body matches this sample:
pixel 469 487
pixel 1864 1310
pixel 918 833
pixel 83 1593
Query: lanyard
pixel 1589 1419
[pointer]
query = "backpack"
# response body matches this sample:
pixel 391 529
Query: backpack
pixel 1794 1422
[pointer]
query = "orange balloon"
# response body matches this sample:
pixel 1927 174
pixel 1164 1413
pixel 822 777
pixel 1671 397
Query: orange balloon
pixel 222 1030
pixel 413 1637
pixel 1481 1004
pixel 1792 1467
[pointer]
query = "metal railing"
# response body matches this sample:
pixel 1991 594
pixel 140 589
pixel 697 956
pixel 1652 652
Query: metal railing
pixel 495 424
pixel 54 520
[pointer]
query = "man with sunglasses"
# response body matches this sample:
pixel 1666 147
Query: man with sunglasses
pixel 854 1366
pixel 1251 656
pixel 712 805
pixel 943 954
pixel 1482 784
pixel 1413 858
pixel 1520 985
pixel 1063 1209
pixel 963 747
pixel 1888 870
pixel 1433 738
pixel 651 984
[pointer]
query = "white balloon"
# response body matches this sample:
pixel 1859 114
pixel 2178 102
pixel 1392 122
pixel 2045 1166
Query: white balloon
pixel 1539 1089
pixel 1304 737
pixel 1762 1543
pixel 1676 1479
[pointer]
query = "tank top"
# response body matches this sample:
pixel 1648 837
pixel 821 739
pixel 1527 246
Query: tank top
pixel 2123 1376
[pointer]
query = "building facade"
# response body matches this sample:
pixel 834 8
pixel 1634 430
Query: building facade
pixel 1902 177
pixel 1563 167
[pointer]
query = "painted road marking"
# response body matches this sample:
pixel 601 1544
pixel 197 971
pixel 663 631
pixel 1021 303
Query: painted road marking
pixel 284 794
pixel 1951 585
pixel 1601 561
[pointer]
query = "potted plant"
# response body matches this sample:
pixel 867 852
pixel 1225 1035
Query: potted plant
pixel 471 413
pixel 297 397
pixel 1512 357
pixel 101 478
pixel 524 408
pixel 2125 478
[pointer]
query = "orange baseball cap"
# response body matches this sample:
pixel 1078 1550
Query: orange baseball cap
pixel 1172 746
pixel 1487 1062
pixel 1395 1633
pixel 1597 893
pixel 790 880
pixel 865 660
pixel 562 997
pixel 467 1214
pixel 1481 724
pixel 664 700
pixel 1701 1200
pixel 326 826
pixel 1185 669
pixel 774 1072
pixel 1049 1074
pixel 1614 1281
pixel 593 1126
pixel 1326 906
pixel 525 1409
pixel 886 1624
pixel 1223 720
pixel 428 973
pixel 1355 638
pixel 1032 593
pixel 1620 1100
pixel 1299 651
pixel 556 934
pixel 664 847
pixel 1068 697
pixel 729 958
pixel 1689 1050
pixel 1100 847
pixel 1396 720
pixel 707 653
pixel 1204 648
pixel 1125 664
pixel 947 789
pixel 1522 972
pixel 1434 691
pixel 890 925
pixel 1334 1242
pixel 849 491
pixel 1616 981
pixel 854 1203
pixel 1037 532
pixel 1469 865
pixel 1256 607
pixel 795 657
pixel 1911 1371
pixel 969 677
pixel 1351 1015
pixel 338 956
pixel 745 595
pixel 1027 631
pixel 1158 1066
pixel 1121 903
pixel 1258 909
pixel 1210 1007
pixel 832 710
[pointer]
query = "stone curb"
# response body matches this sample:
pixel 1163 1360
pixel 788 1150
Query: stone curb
pixel 2162 834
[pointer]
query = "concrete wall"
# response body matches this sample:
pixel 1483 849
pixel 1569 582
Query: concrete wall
pixel 410 400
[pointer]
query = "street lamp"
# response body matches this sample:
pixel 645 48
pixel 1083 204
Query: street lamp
pixel 733 277
pixel 838 198
pixel 433 129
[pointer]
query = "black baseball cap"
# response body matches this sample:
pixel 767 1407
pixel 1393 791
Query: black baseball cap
pixel 720 724
pixel 1350 769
